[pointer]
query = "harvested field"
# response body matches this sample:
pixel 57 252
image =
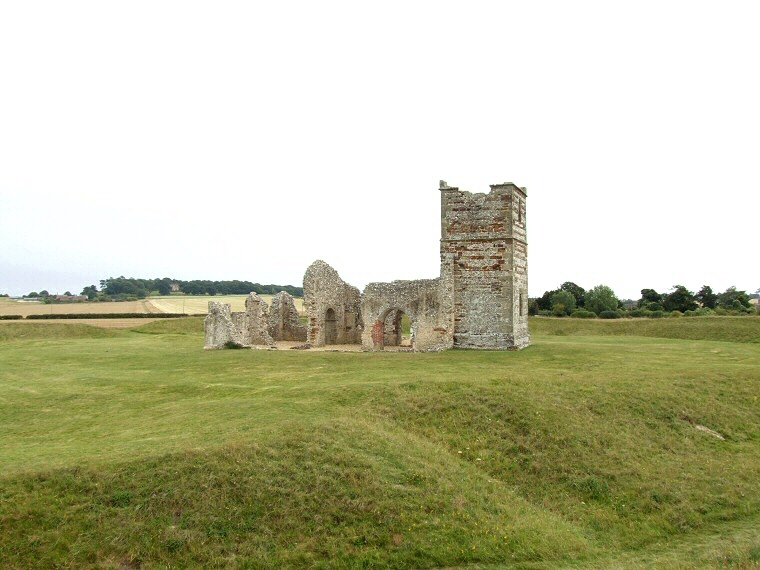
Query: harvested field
pixel 199 305
pixel 195 305
pixel 95 322
pixel 26 308
pixel 174 304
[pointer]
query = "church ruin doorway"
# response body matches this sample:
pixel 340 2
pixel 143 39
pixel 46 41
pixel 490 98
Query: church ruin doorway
pixel 331 327
pixel 393 329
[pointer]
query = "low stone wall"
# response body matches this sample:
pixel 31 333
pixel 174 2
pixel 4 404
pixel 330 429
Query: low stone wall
pixel 421 300
pixel 225 329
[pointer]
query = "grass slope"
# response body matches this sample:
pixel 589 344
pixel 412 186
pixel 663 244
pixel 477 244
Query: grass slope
pixel 731 329
pixel 141 450
pixel 23 332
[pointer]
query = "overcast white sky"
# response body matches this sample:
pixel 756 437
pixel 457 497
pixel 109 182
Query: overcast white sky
pixel 244 140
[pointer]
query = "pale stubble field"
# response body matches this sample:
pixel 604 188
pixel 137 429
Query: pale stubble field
pixel 174 304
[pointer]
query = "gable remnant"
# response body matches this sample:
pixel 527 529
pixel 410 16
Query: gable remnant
pixel 332 307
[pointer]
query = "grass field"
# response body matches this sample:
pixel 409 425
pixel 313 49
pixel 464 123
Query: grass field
pixel 590 449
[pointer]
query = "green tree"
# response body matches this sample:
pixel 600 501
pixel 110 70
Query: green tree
pixel 90 291
pixel 44 293
pixel 680 299
pixel 164 286
pixel 706 297
pixel 601 298
pixel 734 300
pixel 649 296
pixel 576 290
pixel 563 303
pixel 33 295
pixel 544 302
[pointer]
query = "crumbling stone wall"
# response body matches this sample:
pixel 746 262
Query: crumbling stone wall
pixel 484 259
pixel 284 321
pixel 221 330
pixel 225 329
pixel 424 303
pixel 255 324
pixel 332 307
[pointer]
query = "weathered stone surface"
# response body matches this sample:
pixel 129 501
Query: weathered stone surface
pixel 484 258
pixel 255 324
pixel 225 329
pixel 332 307
pixel 221 330
pixel 284 322
pixel 383 305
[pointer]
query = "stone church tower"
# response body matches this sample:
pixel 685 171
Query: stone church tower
pixel 484 266
pixel 480 299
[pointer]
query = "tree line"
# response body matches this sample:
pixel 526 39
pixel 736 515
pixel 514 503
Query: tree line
pixel 121 288
pixel 573 300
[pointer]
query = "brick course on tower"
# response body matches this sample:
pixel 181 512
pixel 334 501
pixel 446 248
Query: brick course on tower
pixel 484 259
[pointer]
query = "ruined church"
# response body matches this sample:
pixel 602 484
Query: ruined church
pixel 479 301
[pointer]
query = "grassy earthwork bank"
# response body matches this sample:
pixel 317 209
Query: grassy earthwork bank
pixel 596 447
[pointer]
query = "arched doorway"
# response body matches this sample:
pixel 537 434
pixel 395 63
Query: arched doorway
pixel 393 329
pixel 331 327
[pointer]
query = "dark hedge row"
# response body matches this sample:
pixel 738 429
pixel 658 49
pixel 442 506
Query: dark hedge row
pixel 10 317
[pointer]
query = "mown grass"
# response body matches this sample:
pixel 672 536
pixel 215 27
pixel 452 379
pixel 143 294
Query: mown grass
pixel 23 332
pixel 187 325
pixel 142 450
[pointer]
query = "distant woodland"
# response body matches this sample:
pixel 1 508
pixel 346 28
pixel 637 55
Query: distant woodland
pixel 114 286
pixel 123 288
